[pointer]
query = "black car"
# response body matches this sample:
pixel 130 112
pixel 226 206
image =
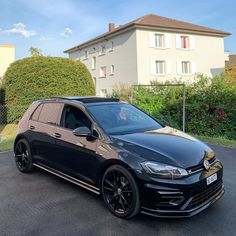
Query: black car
pixel 114 149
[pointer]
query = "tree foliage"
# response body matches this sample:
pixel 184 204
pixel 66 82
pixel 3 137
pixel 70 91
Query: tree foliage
pixel 43 77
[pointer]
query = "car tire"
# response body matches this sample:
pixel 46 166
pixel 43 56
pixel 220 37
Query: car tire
pixel 23 156
pixel 120 192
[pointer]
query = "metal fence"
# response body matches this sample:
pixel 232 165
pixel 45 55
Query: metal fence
pixel 11 114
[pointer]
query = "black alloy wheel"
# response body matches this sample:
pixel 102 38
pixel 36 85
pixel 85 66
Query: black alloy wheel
pixel 120 192
pixel 23 156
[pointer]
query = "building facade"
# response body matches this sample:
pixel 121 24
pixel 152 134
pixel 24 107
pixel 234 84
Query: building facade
pixel 151 48
pixel 7 56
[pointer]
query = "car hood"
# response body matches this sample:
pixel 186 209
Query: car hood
pixel 166 145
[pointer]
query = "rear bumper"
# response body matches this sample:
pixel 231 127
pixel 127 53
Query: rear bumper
pixel 184 213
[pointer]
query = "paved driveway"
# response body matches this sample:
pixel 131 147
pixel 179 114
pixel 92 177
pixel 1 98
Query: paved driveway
pixel 41 204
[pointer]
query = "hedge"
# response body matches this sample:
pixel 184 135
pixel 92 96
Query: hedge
pixel 210 105
pixel 43 77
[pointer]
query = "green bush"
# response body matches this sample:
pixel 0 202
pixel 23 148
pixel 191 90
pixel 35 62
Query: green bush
pixel 43 77
pixel 210 105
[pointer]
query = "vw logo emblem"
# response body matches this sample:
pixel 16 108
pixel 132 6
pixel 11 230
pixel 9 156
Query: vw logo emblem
pixel 206 164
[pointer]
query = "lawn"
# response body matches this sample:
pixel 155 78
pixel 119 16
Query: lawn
pixel 217 140
pixel 7 144
pixel 9 133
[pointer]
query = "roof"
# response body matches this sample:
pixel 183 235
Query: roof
pixel 89 99
pixel 158 22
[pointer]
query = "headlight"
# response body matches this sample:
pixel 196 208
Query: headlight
pixel 163 170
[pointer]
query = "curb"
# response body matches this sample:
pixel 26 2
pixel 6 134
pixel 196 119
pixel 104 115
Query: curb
pixel 6 151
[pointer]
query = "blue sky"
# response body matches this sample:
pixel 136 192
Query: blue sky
pixel 56 25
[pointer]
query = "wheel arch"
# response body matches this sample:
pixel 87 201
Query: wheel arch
pixel 110 163
pixel 19 137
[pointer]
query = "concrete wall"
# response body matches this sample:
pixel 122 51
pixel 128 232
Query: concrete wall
pixel 7 56
pixel 123 57
pixel 206 54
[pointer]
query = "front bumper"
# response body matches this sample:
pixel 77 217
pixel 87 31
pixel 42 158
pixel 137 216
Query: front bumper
pixel 183 197
pixel 184 213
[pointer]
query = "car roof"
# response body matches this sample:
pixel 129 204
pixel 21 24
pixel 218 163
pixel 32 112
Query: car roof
pixel 86 99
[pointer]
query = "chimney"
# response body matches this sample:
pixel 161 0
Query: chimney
pixel 111 27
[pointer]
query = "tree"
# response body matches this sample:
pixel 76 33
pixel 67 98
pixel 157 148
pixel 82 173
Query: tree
pixel 43 77
pixel 35 52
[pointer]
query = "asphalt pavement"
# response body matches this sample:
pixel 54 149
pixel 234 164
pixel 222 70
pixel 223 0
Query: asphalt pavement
pixel 42 204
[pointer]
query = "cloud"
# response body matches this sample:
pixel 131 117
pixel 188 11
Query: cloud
pixel 43 38
pixel 20 29
pixel 66 33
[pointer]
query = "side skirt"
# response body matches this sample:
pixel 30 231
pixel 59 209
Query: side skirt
pixel 69 178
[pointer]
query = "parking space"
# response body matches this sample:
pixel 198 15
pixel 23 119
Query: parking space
pixel 42 204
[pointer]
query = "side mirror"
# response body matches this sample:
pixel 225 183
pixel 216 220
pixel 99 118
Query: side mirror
pixel 82 131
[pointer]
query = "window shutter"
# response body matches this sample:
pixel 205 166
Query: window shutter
pixel 152 40
pixel 179 68
pixel 178 41
pixel 191 42
pixel 167 40
pixel 153 67
pixel 193 67
pixel 168 68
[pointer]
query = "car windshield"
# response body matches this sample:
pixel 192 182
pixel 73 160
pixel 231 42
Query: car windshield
pixel 122 118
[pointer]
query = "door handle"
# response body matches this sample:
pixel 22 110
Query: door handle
pixel 32 127
pixel 57 135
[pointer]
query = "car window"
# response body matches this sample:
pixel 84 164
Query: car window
pixel 122 118
pixel 49 113
pixel 72 118
pixel 36 113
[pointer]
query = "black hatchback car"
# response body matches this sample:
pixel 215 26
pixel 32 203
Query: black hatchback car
pixel 114 149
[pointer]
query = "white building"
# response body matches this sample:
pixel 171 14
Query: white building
pixel 7 56
pixel 151 48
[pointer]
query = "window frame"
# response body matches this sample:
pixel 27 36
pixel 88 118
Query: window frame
pixel 112 70
pixel 188 67
pixel 157 40
pixel 184 42
pixel 164 67
pixel 79 108
pixel 85 54
pixel 104 74
pixel 58 115
pixel 94 63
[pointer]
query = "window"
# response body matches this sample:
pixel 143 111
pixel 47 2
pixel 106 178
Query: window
pixel 185 67
pixel 184 41
pixel 72 118
pixel 49 113
pixel 159 40
pixel 112 70
pixel 85 54
pixel 111 46
pixel 94 63
pixel 122 118
pixel 102 50
pixel 103 71
pixel 104 92
pixel 160 67
pixel 36 113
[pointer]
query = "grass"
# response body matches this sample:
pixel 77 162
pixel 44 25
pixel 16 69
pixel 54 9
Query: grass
pixel 217 140
pixel 7 144
pixel 9 132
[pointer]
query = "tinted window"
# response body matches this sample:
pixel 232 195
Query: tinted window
pixel 36 113
pixel 49 113
pixel 73 118
pixel 122 118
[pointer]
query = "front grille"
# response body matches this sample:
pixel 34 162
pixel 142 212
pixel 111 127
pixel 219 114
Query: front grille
pixel 202 197
pixel 199 167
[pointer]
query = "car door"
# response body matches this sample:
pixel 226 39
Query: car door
pixel 42 132
pixel 76 155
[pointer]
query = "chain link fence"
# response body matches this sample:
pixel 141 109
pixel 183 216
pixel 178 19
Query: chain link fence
pixel 11 114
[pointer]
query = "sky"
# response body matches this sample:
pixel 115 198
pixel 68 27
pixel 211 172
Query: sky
pixel 56 25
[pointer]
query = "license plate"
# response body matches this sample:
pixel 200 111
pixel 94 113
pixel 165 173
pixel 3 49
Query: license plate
pixel 211 179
